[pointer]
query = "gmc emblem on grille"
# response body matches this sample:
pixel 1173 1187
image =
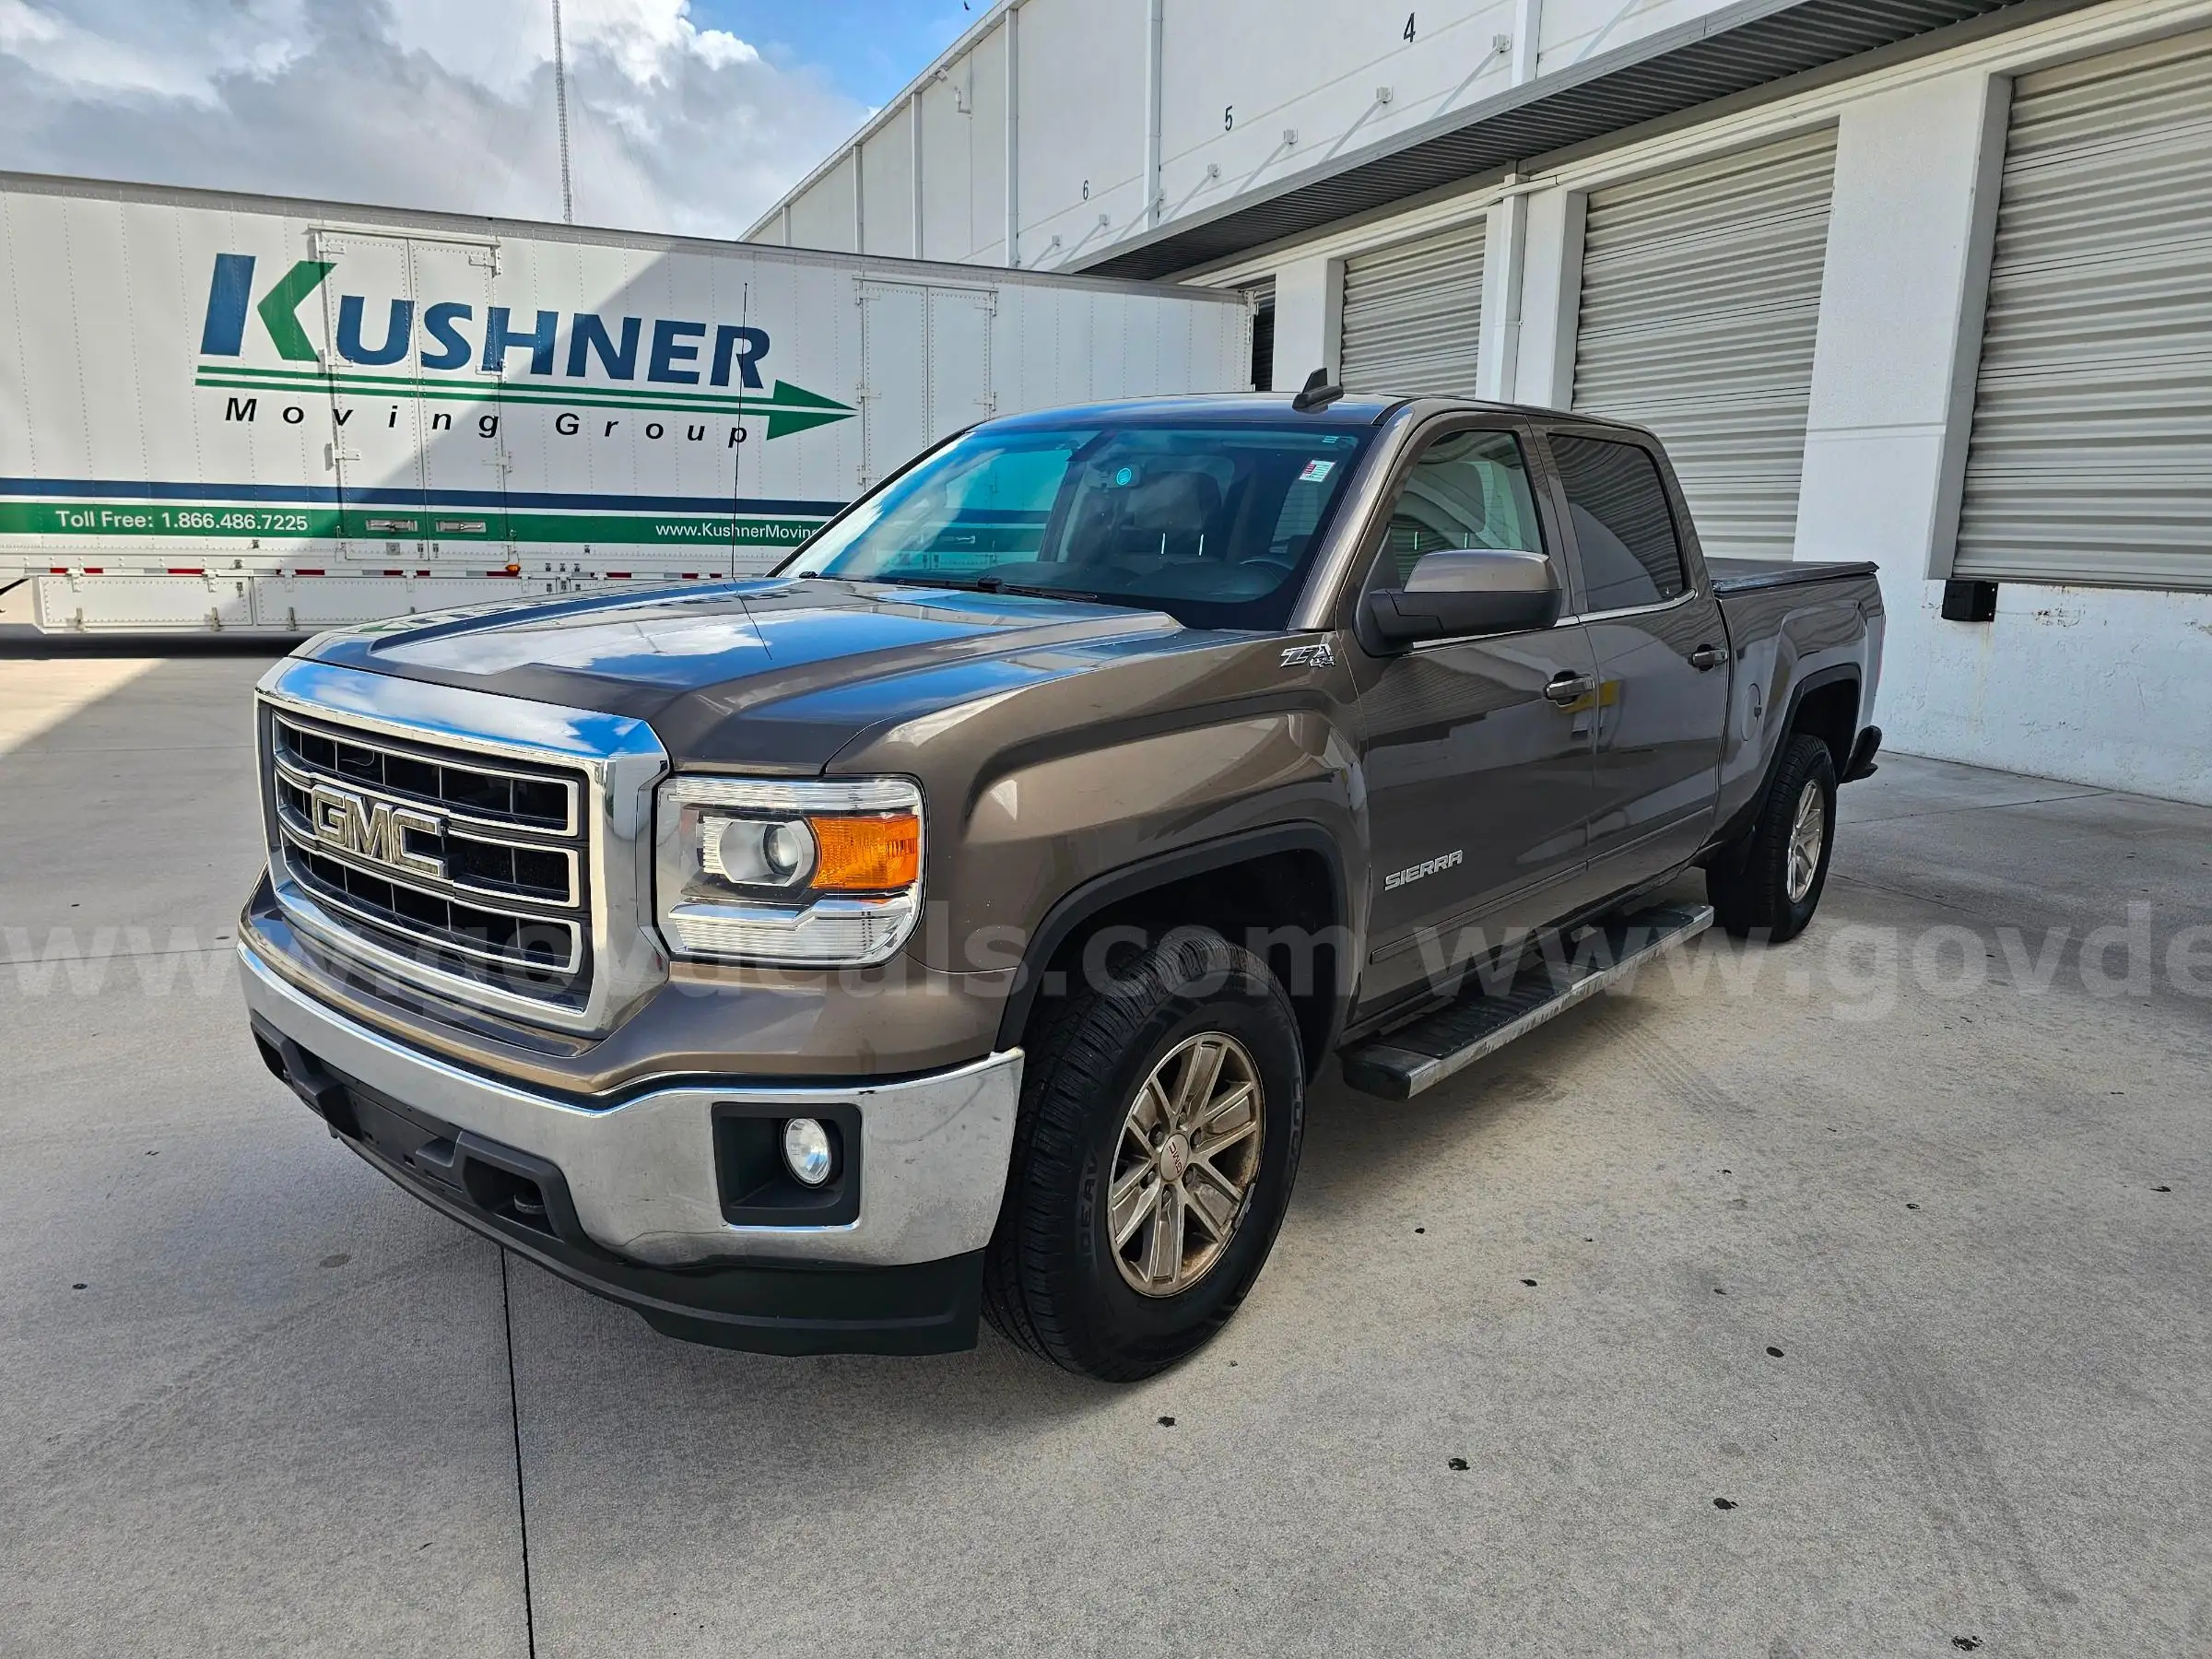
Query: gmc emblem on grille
pixel 376 831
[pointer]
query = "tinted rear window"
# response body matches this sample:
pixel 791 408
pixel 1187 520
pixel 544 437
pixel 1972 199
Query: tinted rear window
pixel 1622 527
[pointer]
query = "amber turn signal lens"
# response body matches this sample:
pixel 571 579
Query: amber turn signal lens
pixel 866 854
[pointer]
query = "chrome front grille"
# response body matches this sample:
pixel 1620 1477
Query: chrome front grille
pixel 457 864
pixel 484 849
pixel 469 790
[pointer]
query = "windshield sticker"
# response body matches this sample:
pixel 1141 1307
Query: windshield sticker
pixel 1315 471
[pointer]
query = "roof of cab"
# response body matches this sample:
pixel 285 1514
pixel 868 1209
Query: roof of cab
pixel 1351 410
pixel 1354 408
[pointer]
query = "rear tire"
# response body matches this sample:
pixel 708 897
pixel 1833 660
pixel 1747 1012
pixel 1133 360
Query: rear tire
pixel 1775 886
pixel 1130 1097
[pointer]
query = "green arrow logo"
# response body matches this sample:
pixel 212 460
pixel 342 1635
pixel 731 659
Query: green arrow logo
pixel 794 409
pixel 280 306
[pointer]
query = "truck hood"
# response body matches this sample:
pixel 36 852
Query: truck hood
pixel 773 674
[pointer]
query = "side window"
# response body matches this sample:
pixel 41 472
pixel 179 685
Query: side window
pixel 1468 490
pixel 1622 529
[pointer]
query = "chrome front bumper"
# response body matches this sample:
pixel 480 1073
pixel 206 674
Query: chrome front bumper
pixel 641 1171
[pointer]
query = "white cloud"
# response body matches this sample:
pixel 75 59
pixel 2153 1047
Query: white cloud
pixel 421 103
pixel 74 53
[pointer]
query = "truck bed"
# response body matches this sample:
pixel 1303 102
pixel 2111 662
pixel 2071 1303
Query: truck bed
pixel 1747 575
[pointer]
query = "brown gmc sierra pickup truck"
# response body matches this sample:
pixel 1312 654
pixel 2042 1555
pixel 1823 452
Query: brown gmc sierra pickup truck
pixel 953 922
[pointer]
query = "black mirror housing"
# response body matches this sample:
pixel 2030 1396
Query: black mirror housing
pixel 1404 618
pixel 1463 592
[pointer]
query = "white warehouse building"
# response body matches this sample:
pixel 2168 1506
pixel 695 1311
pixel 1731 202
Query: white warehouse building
pixel 1923 281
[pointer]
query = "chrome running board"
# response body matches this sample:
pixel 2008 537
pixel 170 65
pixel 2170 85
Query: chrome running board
pixel 1424 1051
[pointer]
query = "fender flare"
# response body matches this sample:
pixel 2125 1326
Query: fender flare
pixel 1732 830
pixel 1161 869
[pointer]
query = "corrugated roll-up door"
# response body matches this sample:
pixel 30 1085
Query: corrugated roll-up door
pixel 2091 455
pixel 1412 316
pixel 1701 300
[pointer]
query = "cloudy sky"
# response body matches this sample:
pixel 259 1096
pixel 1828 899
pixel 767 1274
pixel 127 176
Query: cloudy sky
pixel 685 115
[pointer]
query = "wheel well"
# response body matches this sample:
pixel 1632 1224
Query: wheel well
pixel 1282 905
pixel 1830 713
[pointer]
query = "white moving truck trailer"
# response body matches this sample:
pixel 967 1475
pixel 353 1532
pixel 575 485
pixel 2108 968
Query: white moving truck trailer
pixel 231 412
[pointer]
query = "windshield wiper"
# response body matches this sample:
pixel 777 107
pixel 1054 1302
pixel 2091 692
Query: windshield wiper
pixel 984 584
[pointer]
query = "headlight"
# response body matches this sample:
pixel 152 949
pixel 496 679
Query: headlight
pixel 812 874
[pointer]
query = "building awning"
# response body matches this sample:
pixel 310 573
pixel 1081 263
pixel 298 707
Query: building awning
pixel 1733 50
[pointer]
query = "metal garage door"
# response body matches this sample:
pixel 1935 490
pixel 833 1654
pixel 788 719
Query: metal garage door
pixel 1413 315
pixel 1700 300
pixel 2091 457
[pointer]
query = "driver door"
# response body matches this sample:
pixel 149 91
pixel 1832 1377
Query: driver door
pixel 1478 752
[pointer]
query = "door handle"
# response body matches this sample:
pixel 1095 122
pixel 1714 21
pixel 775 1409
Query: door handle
pixel 1567 686
pixel 1708 656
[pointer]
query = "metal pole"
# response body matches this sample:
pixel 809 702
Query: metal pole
pixel 560 105
pixel 1155 23
pixel 1013 28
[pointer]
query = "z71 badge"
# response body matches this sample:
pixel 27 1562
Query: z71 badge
pixel 1317 655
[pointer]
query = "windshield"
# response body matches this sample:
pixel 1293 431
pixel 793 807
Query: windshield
pixel 1213 523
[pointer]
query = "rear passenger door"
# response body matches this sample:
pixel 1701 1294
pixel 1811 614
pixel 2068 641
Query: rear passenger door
pixel 1661 657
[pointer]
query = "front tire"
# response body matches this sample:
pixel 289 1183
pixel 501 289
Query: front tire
pixel 1160 1121
pixel 1774 887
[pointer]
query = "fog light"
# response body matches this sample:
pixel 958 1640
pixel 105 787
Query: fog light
pixel 806 1150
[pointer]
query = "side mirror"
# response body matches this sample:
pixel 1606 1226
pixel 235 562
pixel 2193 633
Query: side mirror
pixel 1474 591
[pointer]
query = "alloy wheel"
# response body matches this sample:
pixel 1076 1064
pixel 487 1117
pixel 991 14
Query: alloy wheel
pixel 1808 831
pixel 1186 1158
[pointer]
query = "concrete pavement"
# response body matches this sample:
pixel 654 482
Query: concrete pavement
pixel 1966 1212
